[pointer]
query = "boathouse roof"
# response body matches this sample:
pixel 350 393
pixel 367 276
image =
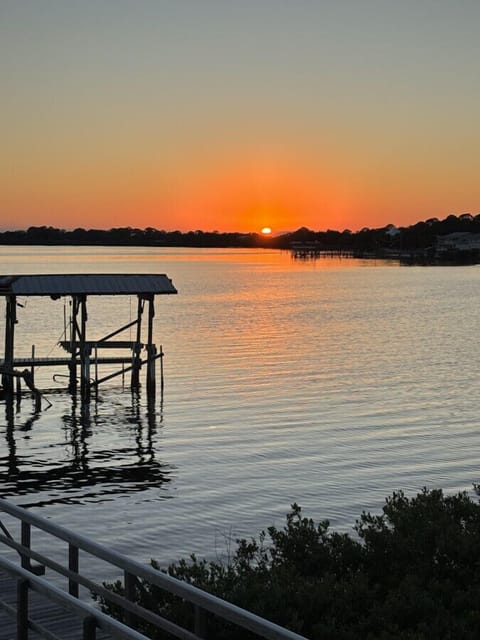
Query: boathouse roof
pixel 86 284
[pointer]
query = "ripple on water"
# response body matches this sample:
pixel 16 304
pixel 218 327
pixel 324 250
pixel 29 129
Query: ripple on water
pixel 285 382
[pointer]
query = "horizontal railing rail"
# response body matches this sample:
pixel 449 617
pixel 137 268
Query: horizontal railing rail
pixel 133 572
pixel 92 618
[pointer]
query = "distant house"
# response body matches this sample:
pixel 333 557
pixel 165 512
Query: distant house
pixel 461 246
pixel 391 230
pixel 459 241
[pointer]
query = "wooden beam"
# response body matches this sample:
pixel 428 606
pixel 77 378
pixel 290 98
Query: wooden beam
pixel 137 363
pixel 11 319
pixel 84 351
pixel 151 351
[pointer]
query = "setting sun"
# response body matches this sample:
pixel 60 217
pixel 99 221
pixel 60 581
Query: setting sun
pixel 266 231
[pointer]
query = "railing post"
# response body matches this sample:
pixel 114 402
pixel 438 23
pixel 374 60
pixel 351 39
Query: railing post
pixel 89 628
pixel 38 569
pixel 26 540
pixel 73 566
pixel 130 581
pixel 22 609
pixel 200 622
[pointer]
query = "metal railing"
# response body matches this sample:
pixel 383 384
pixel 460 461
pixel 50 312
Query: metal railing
pixel 91 618
pixel 27 577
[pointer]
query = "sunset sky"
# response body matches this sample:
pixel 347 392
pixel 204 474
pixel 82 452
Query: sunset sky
pixel 232 116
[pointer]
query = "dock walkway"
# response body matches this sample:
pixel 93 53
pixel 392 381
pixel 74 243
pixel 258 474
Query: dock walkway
pixel 50 616
pixel 33 606
pixel 52 362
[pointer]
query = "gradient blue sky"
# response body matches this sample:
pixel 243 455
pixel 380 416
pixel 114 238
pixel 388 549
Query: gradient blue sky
pixel 209 114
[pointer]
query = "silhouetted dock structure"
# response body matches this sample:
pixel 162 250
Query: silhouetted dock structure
pixel 84 353
pixel 313 250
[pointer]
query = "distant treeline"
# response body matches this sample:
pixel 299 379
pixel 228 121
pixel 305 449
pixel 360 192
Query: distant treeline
pixel 418 236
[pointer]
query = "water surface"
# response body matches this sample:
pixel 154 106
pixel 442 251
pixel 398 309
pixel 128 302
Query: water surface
pixel 330 383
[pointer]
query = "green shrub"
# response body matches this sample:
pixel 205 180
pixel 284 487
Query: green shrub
pixel 411 573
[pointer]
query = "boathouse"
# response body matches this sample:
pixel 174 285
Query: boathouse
pixel 82 351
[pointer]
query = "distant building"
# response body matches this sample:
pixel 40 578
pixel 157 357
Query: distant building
pixel 461 246
pixel 391 230
pixel 458 241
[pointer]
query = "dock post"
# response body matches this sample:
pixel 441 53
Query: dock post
pixel 11 320
pixel 96 365
pixel 72 366
pixel 32 367
pixel 85 379
pixel 135 379
pixel 136 364
pixel 151 351
pixel 161 370
pixel 84 351
pixel 151 381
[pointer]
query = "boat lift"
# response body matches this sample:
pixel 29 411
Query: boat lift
pixel 83 353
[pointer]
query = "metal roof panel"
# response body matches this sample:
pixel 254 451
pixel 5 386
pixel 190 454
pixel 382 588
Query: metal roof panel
pixel 86 284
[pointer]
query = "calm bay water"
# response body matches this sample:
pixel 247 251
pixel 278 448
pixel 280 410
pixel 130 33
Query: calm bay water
pixel 330 383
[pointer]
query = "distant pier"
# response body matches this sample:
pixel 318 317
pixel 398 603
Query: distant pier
pixel 313 250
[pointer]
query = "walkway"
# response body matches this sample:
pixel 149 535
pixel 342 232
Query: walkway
pixel 51 617
pixel 50 598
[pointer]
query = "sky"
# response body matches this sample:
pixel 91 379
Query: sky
pixel 232 116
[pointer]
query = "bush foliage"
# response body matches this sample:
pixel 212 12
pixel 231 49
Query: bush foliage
pixel 411 573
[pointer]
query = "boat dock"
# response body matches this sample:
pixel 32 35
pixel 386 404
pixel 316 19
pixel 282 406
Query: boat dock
pixel 85 354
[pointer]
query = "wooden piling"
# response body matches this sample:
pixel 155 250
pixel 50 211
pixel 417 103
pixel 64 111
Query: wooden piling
pixel 151 351
pixel 32 366
pixel 72 367
pixel 161 369
pixel 136 364
pixel 96 363
pixel 81 341
pixel 9 357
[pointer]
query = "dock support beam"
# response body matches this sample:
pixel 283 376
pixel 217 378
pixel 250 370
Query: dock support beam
pixel 72 367
pixel 137 361
pixel 10 321
pixel 151 351
pixel 84 351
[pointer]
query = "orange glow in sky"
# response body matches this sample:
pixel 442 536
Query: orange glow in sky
pixel 255 193
pixel 215 116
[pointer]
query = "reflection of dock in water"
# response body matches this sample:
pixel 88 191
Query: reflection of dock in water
pixel 104 480
pixel 85 474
